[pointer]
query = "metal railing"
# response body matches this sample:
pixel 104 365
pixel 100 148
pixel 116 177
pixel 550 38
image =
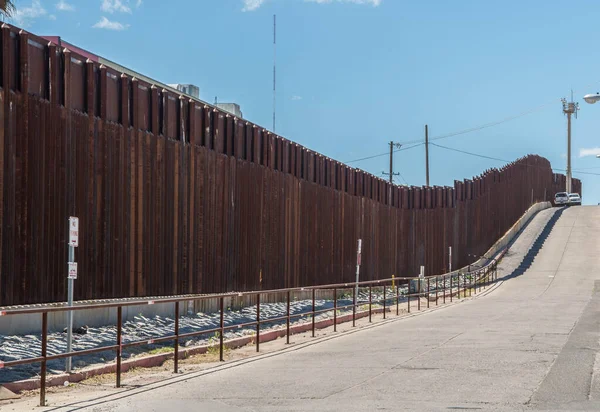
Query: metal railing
pixel 456 283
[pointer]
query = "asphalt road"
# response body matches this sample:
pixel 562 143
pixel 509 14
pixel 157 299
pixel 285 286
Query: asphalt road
pixel 529 343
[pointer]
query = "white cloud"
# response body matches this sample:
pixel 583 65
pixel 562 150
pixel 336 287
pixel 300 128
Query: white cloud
pixel 251 5
pixel 104 23
pixel 593 151
pixel 296 97
pixel 373 3
pixel 138 3
pixel 24 16
pixel 62 5
pixel 52 17
pixel 112 6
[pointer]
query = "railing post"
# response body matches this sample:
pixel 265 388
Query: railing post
pixel 384 301
pixel 408 296
pixel 437 287
pixel 335 309
pixel 44 354
pixel 354 305
pixel 119 343
pixel 428 292
pixel 313 313
pixel 222 326
pixel 176 345
pixel 257 322
pixel 287 339
pixel 397 300
pixel 451 287
pixel 444 280
pixel 370 301
pixel 419 294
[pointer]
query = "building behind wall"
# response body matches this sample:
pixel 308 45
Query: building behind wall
pixel 232 108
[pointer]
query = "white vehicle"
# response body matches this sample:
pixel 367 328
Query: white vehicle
pixel 561 198
pixel 574 199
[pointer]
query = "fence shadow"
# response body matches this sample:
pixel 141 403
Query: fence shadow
pixel 537 245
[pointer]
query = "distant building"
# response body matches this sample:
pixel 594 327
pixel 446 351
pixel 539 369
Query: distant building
pixel 232 108
pixel 189 89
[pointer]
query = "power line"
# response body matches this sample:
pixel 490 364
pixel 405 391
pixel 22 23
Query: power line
pixel 469 153
pixel 398 182
pixel 418 142
pixel 384 154
pixel 504 160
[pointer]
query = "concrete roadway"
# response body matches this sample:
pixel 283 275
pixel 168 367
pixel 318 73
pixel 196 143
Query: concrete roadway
pixel 530 343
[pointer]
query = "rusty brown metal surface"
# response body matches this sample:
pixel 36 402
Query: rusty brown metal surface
pixel 178 197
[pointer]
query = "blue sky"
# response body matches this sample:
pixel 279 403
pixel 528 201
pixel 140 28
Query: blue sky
pixel 355 74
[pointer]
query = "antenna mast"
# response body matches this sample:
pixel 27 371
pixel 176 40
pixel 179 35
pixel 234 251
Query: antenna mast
pixel 274 64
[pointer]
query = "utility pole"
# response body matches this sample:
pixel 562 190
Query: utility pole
pixel 426 156
pixel 569 108
pixel 391 173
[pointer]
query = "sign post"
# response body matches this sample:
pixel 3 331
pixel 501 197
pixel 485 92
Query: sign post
pixel 358 252
pixel 71 276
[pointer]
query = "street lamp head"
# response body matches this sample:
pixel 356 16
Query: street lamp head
pixel 598 156
pixel 592 98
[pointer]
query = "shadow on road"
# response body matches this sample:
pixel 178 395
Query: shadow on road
pixel 536 247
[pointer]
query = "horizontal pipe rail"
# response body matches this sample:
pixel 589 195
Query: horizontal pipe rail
pixel 481 277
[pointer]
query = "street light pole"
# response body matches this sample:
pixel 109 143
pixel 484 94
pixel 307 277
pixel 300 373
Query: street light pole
pixel 569 108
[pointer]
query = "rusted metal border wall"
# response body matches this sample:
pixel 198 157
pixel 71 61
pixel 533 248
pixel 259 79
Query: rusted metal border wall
pixel 175 197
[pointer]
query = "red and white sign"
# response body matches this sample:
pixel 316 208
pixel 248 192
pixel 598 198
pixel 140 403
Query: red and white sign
pixel 72 270
pixel 73 231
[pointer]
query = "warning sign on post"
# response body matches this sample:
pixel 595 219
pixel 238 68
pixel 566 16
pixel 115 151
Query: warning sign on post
pixel 72 270
pixel 74 231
